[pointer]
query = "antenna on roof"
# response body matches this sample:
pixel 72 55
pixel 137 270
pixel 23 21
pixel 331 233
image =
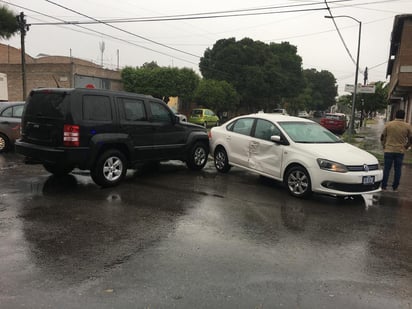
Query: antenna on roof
pixel 102 47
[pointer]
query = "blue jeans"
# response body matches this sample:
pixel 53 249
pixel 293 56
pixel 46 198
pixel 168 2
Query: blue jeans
pixel 396 159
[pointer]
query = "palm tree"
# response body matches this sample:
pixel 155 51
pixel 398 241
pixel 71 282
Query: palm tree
pixel 8 23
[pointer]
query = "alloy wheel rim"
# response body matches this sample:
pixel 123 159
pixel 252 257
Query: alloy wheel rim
pixel 298 182
pixel 113 168
pixel 200 156
pixel 220 160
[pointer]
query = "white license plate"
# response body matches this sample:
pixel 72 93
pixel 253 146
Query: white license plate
pixel 368 180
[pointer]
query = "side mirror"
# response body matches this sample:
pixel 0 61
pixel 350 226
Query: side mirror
pixel 278 140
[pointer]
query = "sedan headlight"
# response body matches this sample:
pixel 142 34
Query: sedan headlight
pixel 332 166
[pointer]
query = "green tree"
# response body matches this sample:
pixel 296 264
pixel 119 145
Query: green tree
pixel 321 86
pixel 8 23
pixel 219 96
pixel 160 82
pixel 369 103
pixel 264 75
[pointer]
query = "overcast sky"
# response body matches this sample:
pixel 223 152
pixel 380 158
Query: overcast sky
pixel 180 43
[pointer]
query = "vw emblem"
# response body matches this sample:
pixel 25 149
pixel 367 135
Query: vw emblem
pixel 366 168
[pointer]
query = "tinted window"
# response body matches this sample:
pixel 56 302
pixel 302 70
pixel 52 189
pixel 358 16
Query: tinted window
pixel 159 112
pixel 8 112
pixel 47 104
pixel 265 129
pixel 197 112
pixel 243 126
pixel 134 110
pixel 18 111
pixel 96 108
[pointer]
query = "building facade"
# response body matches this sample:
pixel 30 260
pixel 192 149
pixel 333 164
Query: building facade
pixel 53 71
pixel 400 66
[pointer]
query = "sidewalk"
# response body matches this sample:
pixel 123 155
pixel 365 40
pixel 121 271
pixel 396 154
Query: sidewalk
pixel 369 139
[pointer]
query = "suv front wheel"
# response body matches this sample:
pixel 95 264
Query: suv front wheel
pixel 197 156
pixel 110 168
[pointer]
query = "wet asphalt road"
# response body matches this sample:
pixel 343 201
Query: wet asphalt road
pixel 180 239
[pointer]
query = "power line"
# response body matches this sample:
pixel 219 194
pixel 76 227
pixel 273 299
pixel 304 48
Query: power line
pixel 104 34
pixel 206 15
pixel 122 30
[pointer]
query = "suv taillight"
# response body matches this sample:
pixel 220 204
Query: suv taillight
pixel 71 135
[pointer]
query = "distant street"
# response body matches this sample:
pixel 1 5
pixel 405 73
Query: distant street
pixel 174 238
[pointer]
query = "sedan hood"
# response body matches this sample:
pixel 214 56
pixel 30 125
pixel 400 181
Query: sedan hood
pixel 340 152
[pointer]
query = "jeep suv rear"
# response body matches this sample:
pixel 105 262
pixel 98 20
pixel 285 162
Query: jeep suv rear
pixel 105 132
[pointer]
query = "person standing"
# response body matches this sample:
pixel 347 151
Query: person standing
pixel 396 139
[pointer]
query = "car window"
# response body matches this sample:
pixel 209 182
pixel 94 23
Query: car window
pixel 18 111
pixel 197 112
pixel 159 112
pixel 47 104
pixel 8 112
pixel 265 129
pixel 96 108
pixel 308 132
pixel 334 117
pixel 243 126
pixel 134 110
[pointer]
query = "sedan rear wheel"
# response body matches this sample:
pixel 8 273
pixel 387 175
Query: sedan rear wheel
pixel 221 160
pixel 298 182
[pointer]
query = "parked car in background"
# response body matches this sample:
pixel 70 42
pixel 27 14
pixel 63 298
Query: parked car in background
pixel 181 116
pixel 106 132
pixel 281 111
pixel 303 114
pixel 204 117
pixel 10 118
pixel 299 152
pixel 334 122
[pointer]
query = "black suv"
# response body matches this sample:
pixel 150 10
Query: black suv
pixel 105 132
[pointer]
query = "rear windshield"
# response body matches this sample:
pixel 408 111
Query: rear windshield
pixel 335 117
pixel 47 104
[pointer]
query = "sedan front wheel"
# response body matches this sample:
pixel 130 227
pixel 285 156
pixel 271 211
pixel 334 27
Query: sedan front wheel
pixel 298 182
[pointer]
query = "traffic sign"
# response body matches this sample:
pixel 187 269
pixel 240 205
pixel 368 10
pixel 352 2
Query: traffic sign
pixel 360 88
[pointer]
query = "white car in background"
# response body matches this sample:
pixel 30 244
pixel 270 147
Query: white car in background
pixel 299 152
pixel 181 116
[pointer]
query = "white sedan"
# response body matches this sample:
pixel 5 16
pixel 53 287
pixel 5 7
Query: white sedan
pixel 302 154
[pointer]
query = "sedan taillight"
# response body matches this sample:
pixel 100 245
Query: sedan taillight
pixel 71 135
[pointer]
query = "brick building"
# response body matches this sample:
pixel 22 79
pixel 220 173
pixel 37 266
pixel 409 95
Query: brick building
pixel 400 66
pixel 53 71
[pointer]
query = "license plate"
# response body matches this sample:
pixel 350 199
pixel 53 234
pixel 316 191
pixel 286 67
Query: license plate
pixel 368 180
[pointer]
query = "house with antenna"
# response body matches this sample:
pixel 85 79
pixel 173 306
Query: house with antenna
pixel 52 71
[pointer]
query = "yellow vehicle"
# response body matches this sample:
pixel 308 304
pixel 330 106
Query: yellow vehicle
pixel 204 117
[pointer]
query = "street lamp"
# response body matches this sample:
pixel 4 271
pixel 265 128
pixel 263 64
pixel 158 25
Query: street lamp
pixel 355 86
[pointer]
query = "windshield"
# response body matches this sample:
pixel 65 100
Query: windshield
pixel 308 132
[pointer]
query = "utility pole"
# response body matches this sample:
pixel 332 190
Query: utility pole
pixel 24 27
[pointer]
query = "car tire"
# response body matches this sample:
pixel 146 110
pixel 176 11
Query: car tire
pixel 197 157
pixel 110 168
pixel 57 169
pixel 4 143
pixel 298 182
pixel 221 160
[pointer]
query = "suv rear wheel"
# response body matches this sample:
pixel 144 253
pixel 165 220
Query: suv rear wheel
pixel 197 156
pixel 110 168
